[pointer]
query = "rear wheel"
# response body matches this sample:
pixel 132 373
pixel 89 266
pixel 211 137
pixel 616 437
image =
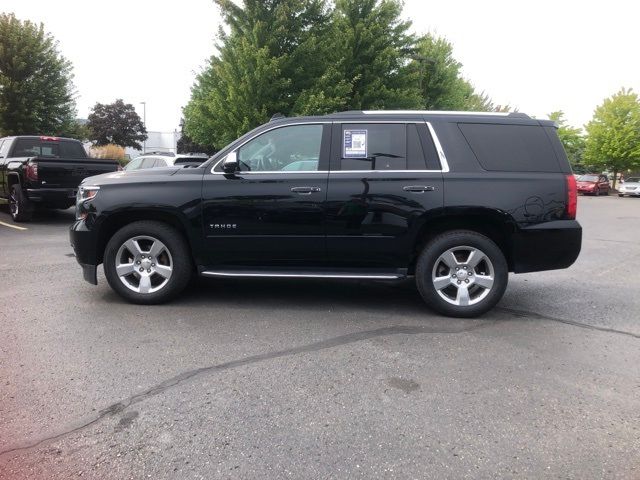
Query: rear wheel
pixel 147 262
pixel 461 274
pixel 19 205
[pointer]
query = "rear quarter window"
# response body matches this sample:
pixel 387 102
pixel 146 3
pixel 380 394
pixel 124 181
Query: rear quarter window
pixel 511 148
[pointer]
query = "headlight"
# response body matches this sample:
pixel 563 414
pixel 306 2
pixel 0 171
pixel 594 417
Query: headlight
pixel 86 192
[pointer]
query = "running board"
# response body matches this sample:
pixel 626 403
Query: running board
pixel 267 273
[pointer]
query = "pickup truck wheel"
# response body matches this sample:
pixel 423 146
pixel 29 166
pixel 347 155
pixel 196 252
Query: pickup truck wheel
pixel 19 205
pixel 461 274
pixel 147 262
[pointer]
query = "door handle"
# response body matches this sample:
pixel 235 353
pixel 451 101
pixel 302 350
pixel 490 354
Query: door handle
pixel 306 190
pixel 418 188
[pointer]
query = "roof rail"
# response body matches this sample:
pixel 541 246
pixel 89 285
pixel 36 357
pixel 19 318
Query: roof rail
pixel 437 112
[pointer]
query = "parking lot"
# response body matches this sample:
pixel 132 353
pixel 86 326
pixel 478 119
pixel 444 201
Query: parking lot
pixel 310 379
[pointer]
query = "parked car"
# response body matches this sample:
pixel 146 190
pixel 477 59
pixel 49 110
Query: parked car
pixel 593 184
pixel 455 200
pixel 630 187
pixel 45 172
pixel 166 159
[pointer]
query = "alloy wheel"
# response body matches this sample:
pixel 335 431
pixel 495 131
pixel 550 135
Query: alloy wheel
pixel 144 264
pixel 463 275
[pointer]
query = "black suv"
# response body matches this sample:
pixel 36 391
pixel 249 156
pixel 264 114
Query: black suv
pixel 455 199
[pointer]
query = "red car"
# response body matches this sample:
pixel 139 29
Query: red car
pixel 593 184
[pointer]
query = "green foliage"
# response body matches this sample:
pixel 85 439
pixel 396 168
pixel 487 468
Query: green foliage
pixel 272 60
pixel 613 141
pixel 302 57
pixel 78 130
pixel 116 123
pixel 36 89
pixel 186 144
pixel 372 44
pixel 442 85
pixel 572 139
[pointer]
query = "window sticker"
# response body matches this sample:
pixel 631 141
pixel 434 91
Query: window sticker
pixel 355 144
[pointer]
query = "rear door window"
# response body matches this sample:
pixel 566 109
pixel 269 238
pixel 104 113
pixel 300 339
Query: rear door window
pixel 374 146
pixel 386 146
pixel 510 148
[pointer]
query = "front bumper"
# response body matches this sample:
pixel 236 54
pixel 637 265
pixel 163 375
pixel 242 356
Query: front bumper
pixel 547 246
pixel 84 244
pixel 631 193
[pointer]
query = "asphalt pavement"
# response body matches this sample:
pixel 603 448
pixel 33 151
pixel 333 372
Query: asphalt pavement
pixel 313 379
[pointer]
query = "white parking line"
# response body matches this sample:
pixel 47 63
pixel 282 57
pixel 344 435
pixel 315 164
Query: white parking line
pixel 13 226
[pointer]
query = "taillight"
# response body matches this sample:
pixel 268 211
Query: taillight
pixel 572 197
pixel 32 172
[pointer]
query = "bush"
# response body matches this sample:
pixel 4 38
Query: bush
pixel 114 152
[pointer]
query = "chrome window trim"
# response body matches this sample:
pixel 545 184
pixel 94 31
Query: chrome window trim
pixel 436 141
pixel 441 155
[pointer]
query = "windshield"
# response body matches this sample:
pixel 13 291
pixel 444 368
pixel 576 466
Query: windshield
pixel 588 178
pixel 633 180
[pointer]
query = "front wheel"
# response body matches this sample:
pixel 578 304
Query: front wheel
pixel 461 274
pixel 147 262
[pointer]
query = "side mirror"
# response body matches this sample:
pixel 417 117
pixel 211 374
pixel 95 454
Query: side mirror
pixel 230 163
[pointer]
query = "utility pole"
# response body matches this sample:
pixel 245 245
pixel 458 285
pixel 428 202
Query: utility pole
pixel 144 122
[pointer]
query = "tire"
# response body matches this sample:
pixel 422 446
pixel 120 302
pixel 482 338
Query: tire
pixel 485 280
pixel 621 195
pixel 147 262
pixel 20 207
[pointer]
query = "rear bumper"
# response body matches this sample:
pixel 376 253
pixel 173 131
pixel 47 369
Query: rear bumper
pixel 547 246
pixel 84 245
pixel 52 196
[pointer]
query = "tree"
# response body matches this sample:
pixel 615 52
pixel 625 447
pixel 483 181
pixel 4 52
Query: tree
pixel 299 57
pixel 613 141
pixel 572 139
pixel 186 144
pixel 272 60
pixel 373 44
pixel 442 85
pixel 36 89
pixel 116 123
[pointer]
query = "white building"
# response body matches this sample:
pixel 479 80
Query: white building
pixel 157 142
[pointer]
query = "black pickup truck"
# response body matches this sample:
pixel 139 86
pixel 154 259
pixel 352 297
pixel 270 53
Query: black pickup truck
pixel 45 172
pixel 456 200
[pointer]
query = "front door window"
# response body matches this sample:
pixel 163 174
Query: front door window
pixel 293 148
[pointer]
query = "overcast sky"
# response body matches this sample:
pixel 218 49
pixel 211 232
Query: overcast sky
pixel 537 56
